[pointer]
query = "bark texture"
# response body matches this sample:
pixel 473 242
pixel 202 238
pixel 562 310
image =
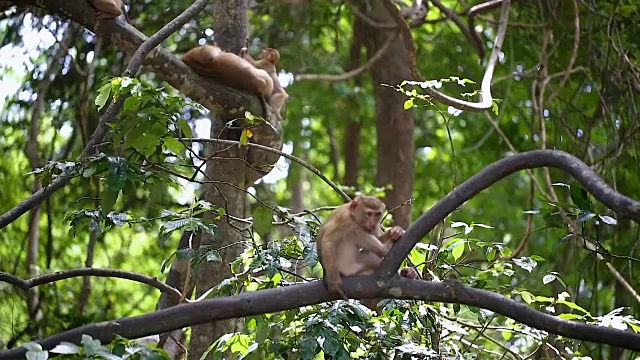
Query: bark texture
pixel 226 166
pixel 395 126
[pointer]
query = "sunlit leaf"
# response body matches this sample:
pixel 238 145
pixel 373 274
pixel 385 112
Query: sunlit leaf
pixel 173 144
pixel 458 250
pixel 103 95
pixel 608 220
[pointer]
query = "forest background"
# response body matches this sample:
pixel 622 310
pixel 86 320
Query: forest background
pixel 140 205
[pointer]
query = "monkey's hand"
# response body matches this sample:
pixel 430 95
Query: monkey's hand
pixel 394 233
pixel 410 273
pixel 334 287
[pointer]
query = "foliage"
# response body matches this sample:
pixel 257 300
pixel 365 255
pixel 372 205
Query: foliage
pixel 137 191
pixel 92 348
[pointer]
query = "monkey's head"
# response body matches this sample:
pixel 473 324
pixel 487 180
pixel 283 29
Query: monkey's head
pixel 271 55
pixel 367 212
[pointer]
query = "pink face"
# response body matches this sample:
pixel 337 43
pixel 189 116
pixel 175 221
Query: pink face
pixel 366 217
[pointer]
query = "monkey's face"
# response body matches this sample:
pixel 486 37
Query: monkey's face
pixel 371 219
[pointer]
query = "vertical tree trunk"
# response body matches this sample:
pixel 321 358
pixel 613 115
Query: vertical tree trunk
pixel 395 126
pixel 230 19
pixel 352 136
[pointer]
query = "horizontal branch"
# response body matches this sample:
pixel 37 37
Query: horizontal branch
pixel 361 287
pixel 68 274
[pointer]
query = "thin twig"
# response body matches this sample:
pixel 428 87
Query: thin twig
pixel 355 72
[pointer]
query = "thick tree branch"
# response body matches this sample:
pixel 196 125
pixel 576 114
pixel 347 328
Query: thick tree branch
pixel 495 172
pixel 361 287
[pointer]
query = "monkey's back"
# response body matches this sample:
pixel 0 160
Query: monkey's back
pixel 229 69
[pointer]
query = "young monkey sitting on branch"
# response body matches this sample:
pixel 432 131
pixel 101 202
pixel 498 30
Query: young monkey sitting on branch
pixel 230 69
pixel 268 60
pixel 351 242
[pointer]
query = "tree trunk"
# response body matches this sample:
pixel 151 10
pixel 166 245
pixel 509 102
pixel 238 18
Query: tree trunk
pixel 352 135
pixel 228 166
pixel 395 126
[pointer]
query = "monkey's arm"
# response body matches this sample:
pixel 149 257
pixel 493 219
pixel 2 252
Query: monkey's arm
pixel 245 55
pixel 393 234
pixel 328 256
pixel 369 242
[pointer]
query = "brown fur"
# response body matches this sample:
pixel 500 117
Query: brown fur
pixel 268 60
pixel 108 9
pixel 230 69
pixel 351 242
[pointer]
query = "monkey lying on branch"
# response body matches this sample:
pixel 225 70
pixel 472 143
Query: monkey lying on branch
pixel 256 77
pixel 351 242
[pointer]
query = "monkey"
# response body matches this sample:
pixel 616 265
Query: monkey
pixel 351 242
pixel 108 9
pixel 268 60
pixel 230 69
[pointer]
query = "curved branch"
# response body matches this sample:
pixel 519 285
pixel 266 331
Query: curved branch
pixel 355 72
pixel 295 296
pixel 67 274
pixel 496 172
pixel 485 88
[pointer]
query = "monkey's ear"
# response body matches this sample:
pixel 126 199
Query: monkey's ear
pixel 353 205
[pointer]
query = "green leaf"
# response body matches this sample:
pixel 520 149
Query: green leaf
pixel 408 104
pixel 185 128
pixel 37 355
pixel 66 348
pixel 168 261
pixel 173 144
pixel 244 137
pixel 457 251
pixel 581 198
pixel 573 306
pixel 108 199
pixel 103 95
pixel 585 216
pixel 131 104
pixel 570 316
pixel 213 256
pixel 492 253
pixel 527 297
pixel 262 220
pixel 525 263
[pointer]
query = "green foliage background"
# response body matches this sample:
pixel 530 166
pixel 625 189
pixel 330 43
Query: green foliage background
pixel 590 111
